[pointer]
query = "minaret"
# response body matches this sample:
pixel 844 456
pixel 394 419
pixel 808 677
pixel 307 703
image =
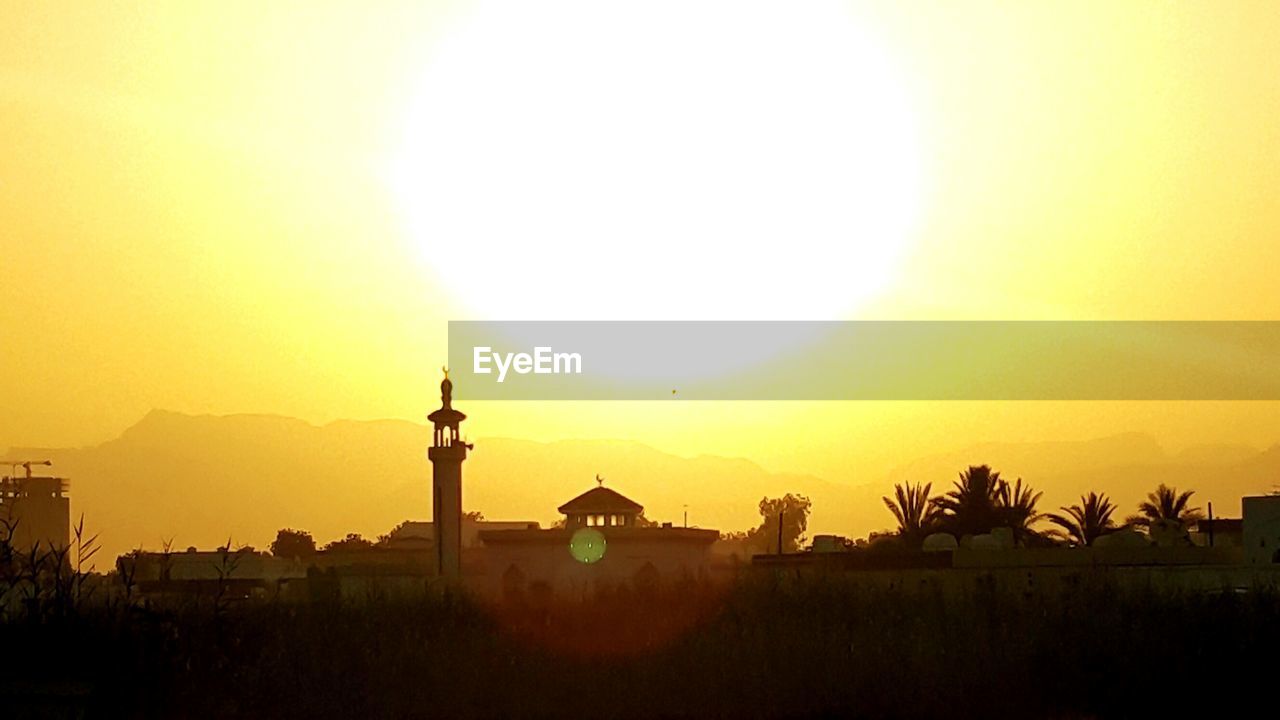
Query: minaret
pixel 447 453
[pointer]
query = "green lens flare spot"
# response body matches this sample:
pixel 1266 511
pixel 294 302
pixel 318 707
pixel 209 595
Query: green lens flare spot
pixel 587 545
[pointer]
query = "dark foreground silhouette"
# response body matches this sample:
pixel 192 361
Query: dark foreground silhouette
pixel 770 646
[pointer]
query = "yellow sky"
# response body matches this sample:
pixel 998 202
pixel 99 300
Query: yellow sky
pixel 194 215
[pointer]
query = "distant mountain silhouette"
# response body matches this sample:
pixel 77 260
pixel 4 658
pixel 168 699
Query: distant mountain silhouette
pixel 198 479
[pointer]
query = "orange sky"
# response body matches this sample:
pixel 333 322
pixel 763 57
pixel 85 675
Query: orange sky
pixel 196 214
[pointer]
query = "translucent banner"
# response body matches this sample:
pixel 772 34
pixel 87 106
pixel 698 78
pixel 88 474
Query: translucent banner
pixel 866 360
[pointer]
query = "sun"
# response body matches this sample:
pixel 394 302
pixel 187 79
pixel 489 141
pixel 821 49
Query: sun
pixel 703 159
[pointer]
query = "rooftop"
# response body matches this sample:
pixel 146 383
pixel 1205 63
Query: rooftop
pixel 601 500
pixel 562 536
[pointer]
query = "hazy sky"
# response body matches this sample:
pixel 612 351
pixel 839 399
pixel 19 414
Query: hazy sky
pixel 203 205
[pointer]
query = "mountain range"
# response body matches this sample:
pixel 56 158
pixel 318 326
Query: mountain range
pixel 199 480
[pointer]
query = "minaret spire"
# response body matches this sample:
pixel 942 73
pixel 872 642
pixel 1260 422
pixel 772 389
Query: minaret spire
pixel 447 452
pixel 446 390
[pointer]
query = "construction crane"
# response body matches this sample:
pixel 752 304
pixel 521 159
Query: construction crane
pixel 24 464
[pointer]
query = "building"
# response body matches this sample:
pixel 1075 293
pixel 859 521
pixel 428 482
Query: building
pixel 1218 532
pixel 418 534
pixel 225 574
pixel 35 510
pixel 446 453
pixel 1261 529
pixel 603 541
pixel 420 537
pixel 239 574
pixel 604 544
pixel 600 507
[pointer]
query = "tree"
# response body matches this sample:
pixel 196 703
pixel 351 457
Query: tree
pixel 1087 521
pixel 1167 504
pixel 916 515
pixel 293 544
pixel 473 515
pixel 386 538
pixel 983 501
pixel 352 542
pixel 1016 506
pixel 972 507
pixel 794 511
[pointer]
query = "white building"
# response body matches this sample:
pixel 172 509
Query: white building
pixel 1262 529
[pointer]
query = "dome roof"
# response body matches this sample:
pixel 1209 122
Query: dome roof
pixel 601 500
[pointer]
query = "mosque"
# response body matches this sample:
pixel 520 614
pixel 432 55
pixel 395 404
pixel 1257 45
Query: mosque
pixel 602 542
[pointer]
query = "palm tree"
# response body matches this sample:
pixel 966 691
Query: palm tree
pixel 1167 504
pixel 1017 508
pixel 972 508
pixel 1088 521
pixel 916 515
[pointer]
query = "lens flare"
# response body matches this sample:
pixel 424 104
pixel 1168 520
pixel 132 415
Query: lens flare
pixel 587 545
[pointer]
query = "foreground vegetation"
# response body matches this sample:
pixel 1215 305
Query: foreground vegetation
pixel 773 645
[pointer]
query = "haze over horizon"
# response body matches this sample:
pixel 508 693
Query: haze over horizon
pixel 236 208
pixel 245 476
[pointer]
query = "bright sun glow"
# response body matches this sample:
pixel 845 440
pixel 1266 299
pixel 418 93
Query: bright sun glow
pixel 712 159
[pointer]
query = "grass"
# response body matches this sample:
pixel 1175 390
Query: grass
pixel 768 646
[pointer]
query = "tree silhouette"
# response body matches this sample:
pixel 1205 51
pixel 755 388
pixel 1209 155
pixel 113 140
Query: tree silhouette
pixel 983 501
pixel 794 510
pixel 642 521
pixel 293 544
pixel 1087 521
pixel 972 508
pixel 353 541
pixel 1166 504
pixel 916 515
pixel 384 539
pixel 1016 506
